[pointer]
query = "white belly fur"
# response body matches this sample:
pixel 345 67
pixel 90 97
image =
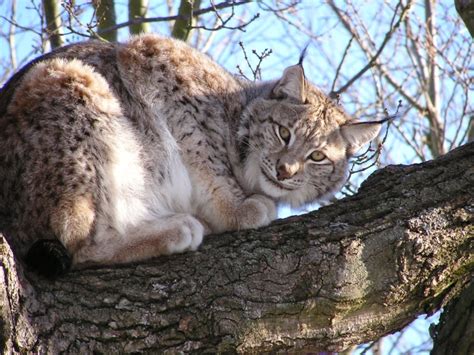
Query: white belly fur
pixel 134 197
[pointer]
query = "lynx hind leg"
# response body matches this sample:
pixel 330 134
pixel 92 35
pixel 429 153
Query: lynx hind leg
pixel 163 236
pixel 62 108
pixel 170 235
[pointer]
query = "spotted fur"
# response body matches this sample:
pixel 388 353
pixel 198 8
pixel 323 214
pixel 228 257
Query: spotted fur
pixel 122 152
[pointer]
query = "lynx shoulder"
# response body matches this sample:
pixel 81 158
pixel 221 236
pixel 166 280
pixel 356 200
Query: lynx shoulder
pixel 114 153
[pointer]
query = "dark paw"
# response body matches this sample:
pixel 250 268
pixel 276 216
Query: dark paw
pixel 49 258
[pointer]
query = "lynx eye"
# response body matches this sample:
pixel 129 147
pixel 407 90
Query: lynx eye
pixel 284 133
pixel 317 156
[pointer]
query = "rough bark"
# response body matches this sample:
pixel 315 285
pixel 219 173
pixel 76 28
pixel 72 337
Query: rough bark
pixel 455 332
pixel 346 274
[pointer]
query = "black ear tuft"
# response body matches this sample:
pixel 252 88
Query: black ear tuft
pixel 48 257
pixel 303 55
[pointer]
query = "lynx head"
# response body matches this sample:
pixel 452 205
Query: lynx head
pixel 298 141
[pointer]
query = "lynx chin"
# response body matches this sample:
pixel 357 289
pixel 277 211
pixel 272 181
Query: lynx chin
pixel 114 153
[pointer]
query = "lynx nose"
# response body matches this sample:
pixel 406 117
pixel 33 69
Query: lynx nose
pixel 286 171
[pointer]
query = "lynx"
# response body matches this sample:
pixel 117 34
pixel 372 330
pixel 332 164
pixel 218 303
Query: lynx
pixel 115 153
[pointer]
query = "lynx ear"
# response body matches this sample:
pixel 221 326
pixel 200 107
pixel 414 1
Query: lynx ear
pixel 359 133
pixel 291 84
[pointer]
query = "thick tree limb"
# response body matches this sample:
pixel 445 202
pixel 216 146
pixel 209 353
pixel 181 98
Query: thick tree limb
pixel 455 332
pixel 348 273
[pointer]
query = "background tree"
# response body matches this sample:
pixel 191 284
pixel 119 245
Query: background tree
pixel 370 56
pixel 183 25
pixel 53 22
pixel 137 9
pixel 105 17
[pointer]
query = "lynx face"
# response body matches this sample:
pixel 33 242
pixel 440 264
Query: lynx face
pixel 299 142
pixel 294 161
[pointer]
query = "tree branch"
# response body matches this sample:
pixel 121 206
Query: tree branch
pixel 346 274
pixel 222 5
pixel 393 27
pixel 11 37
pixel 455 332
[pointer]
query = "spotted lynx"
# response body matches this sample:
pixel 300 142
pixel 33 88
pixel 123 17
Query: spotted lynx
pixel 114 153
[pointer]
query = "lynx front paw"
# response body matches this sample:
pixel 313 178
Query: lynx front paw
pixel 186 235
pixel 256 211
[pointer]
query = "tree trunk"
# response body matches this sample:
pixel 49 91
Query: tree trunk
pixel 53 22
pixel 349 273
pixel 138 9
pixel 105 15
pixel 455 332
pixel 182 26
pixel 436 136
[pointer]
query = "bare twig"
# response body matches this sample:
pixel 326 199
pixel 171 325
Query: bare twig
pixel 393 27
pixel 224 23
pixel 73 12
pixel 222 5
pixel 338 69
pixel 256 72
pixel 371 155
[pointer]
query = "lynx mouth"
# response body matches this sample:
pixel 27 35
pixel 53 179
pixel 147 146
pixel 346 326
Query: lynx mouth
pixel 273 182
